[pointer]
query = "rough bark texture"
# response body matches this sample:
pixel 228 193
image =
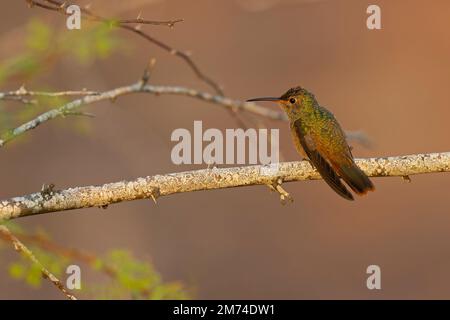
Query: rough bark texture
pixel 152 187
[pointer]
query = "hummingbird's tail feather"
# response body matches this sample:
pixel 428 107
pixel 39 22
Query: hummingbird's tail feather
pixel 329 175
pixel 356 179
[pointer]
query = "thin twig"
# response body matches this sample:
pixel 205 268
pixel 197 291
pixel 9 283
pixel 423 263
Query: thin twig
pixel 207 179
pixel 135 88
pixel 74 254
pixel 123 24
pixel 21 248
pixel 22 92
pixel 70 253
pixel 168 23
pixel 68 108
pixel 59 6
pixel 18 99
pixel 183 55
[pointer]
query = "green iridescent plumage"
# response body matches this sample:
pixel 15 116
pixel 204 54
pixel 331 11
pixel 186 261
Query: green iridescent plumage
pixel 318 137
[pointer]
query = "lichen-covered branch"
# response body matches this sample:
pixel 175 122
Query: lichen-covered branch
pixel 22 92
pixel 21 248
pixel 90 97
pixel 152 187
pixel 111 95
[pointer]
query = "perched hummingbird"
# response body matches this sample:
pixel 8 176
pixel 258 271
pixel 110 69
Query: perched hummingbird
pixel 318 137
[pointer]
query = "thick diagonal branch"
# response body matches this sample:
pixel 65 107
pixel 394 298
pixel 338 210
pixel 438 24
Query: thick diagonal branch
pixel 208 179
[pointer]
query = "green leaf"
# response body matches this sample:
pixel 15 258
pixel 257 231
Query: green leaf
pixel 24 65
pixel 34 276
pixel 39 35
pixel 97 265
pixel 16 270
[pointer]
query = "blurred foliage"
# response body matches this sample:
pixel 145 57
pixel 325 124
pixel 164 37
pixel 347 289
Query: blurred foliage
pixel 137 278
pixel 127 276
pixel 45 46
pixel 23 269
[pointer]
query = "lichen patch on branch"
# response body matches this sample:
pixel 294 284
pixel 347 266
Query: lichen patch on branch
pixel 153 187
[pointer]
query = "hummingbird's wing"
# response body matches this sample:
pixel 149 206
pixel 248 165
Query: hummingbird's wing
pixel 328 140
pixel 321 164
pixel 331 142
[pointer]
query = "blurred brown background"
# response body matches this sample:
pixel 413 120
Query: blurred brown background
pixel 241 243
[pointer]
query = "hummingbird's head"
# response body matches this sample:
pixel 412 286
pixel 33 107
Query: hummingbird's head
pixel 292 101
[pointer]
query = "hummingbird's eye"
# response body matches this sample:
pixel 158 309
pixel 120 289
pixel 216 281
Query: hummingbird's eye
pixel 292 100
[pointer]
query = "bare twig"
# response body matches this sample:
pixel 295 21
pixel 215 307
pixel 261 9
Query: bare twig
pixel 59 6
pixel 22 92
pixel 147 72
pixel 181 54
pixel 123 24
pixel 18 99
pixel 140 86
pixel 79 113
pixel 207 179
pixel 73 254
pixel 168 23
pixel 70 253
pixel 21 248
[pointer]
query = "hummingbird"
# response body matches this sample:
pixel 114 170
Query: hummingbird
pixel 319 138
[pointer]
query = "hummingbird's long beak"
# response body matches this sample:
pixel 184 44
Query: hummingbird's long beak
pixel 264 99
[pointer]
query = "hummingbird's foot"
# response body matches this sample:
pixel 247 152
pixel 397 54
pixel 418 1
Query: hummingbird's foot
pixel 285 197
pixel 153 194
